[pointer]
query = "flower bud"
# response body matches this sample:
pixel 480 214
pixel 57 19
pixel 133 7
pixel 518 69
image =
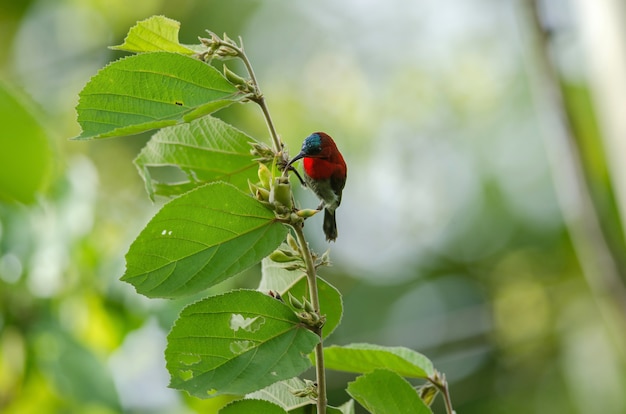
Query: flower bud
pixel 281 192
pixel 280 256
pixel 292 242
pixel 233 77
pixel 294 302
pixel 427 393
pixel 307 212
pixel 308 306
pixel 265 175
pixel 262 194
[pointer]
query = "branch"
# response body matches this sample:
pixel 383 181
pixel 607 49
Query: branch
pixel 599 267
pixel 311 276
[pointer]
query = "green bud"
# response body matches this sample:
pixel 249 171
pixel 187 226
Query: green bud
pixel 233 77
pixel 427 393
pixel 280 257
pixel 294 302
pixel 262 194
pixel 265 175
pixel 308 306
pixel 291 241
pixel 307 212
pixel 261 151
pixel 281 192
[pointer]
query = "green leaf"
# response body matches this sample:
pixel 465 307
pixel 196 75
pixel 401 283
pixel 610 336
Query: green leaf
pixel 361 358
pixel 205 150
pixel 346 408
pixel 281 393
pixel 26 156
pixel 236 343
pixel 275 277
pixel 385 392
pixel 148 91
pixel 75 371
pixel 252 406
pixel 331 304
pixel 199 239
pixel 155 34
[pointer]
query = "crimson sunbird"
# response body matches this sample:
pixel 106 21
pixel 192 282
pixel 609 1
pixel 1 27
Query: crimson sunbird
pixel 325 173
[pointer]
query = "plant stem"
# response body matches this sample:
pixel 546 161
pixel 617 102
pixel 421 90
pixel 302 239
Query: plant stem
pixel 446 398
pixel 439 381
pixel 304 246
pixel 260 99
pixel 311 276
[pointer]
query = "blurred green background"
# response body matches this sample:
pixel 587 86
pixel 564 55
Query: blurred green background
pixel 463 233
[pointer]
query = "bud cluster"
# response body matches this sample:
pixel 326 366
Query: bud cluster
pixel 307 313
pixel 309 390
pixel 289 255
pixel 218 47
pixel 274 193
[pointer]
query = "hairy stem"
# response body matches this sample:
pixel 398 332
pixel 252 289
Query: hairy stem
pixel 446 398
pixel 304 246
pixel 440 382
pixel 311 276
pixel 260 99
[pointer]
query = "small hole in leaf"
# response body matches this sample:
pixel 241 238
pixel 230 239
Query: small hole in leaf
pixel 238 321
pixel 189 359
pixel 185 375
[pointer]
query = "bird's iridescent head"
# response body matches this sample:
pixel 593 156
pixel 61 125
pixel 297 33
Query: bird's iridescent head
pixel 312 146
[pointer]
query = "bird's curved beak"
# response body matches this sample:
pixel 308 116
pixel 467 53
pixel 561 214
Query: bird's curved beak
pixel 296 158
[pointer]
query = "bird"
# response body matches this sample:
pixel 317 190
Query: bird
pixel 325 173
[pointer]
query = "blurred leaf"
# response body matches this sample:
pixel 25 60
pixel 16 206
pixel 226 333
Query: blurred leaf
pixel 149 91
pixel 199 239
pixel 281 393
pixel 385 392
pixel 75 371
pixel 331 305
pixel 236 343
pixel 206 150
pixel 252 406
pixel 25 152
pixel 154 34
pixel 361 358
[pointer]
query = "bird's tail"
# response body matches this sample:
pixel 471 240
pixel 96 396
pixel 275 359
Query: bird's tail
pixel 330 225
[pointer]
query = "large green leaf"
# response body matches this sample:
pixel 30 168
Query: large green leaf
pixel 149 91
pixel 205 150
pixel 361 358
pixel 385 392
pixel 236 343
pixel 25 151
pixel 199 239
pixel 154 34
